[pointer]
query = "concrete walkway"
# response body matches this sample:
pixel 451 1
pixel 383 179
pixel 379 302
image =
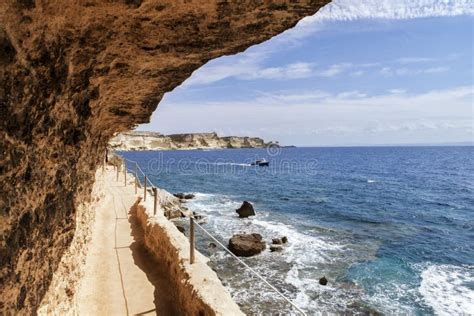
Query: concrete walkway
pixel 120 277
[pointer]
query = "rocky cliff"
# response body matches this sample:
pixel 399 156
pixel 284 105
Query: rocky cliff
pixel 156 141
pixel 72 74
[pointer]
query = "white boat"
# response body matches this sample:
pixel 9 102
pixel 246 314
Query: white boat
pixel 260 162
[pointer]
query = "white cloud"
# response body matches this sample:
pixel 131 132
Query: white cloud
pixel 334 70
pixel 415 60
pixel 249 65
pixel 397 91
pixel 351 95
pixel 403 71
pixel 291 71
pixel 250 68
pixel 434 70
pixel 292 114
pixel 292 97
pixel 334 118
pixel 214 73
pixel 391 9
pixel 349 10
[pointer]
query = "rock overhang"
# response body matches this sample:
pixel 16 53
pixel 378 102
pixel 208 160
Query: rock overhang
pixel 73 74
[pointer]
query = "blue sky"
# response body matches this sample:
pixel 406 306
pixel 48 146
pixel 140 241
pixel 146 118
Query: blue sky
pixel 356 73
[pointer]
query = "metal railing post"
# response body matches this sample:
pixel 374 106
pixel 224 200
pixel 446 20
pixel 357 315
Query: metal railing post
pixel 136 179
pixel 155 197
pixel 144 191
pixel 125 172
pixel 191 239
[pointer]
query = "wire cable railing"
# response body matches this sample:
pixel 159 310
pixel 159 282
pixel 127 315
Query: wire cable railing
pixel 192 223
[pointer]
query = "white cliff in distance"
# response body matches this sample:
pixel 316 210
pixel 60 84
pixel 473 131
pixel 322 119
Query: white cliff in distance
pixel 156 141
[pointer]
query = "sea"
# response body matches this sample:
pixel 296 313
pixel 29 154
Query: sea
pixel 391 228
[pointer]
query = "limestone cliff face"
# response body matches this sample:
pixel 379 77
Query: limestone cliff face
pixel 73 73
pixel 156 141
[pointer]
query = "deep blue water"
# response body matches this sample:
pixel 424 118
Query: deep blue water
pixel 391 227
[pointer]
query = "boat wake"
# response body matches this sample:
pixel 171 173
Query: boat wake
pixel 222 163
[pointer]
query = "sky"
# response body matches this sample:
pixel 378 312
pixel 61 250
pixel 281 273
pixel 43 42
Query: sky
pixel 365 72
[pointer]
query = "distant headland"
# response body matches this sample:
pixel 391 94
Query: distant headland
pixel 136 140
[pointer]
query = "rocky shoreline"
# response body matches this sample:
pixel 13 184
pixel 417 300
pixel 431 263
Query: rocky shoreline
pixel 240 244
pixel 136 141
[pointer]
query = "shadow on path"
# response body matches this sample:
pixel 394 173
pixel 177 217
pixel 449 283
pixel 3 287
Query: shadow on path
pixel 155 271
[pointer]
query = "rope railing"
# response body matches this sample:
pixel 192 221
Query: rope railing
pixel 192 231
pixel 251 270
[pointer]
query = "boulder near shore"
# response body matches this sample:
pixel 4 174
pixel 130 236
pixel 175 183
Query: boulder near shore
pixel 245 210
pixel 246 245
pixel 184 196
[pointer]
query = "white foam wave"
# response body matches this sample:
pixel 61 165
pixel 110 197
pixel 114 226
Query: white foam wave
pixel 202 196
pixel 448 289
pixel 307 257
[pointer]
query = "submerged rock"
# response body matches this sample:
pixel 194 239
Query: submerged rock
pixel 323 281
pixel 246 245
pixel 245 210
pixel 184 196
pixel 276 241
pixel 274 248
pixel 279 241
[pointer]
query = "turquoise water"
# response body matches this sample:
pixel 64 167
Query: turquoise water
pixel 392 228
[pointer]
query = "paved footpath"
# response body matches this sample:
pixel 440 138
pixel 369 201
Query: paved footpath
pixel 120 277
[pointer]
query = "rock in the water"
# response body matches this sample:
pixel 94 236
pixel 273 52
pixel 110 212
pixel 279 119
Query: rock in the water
pixel 323 281
pixel 179 195
pixel 246 245
pixel 276 241
pixel 212 245
pixel 180 228
pixel 274 248
pixel 184 196
pixel 284 239
pixel 246 210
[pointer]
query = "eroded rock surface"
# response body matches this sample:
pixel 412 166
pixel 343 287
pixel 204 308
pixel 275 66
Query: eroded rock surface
pixel 74 73
pixel 246 245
